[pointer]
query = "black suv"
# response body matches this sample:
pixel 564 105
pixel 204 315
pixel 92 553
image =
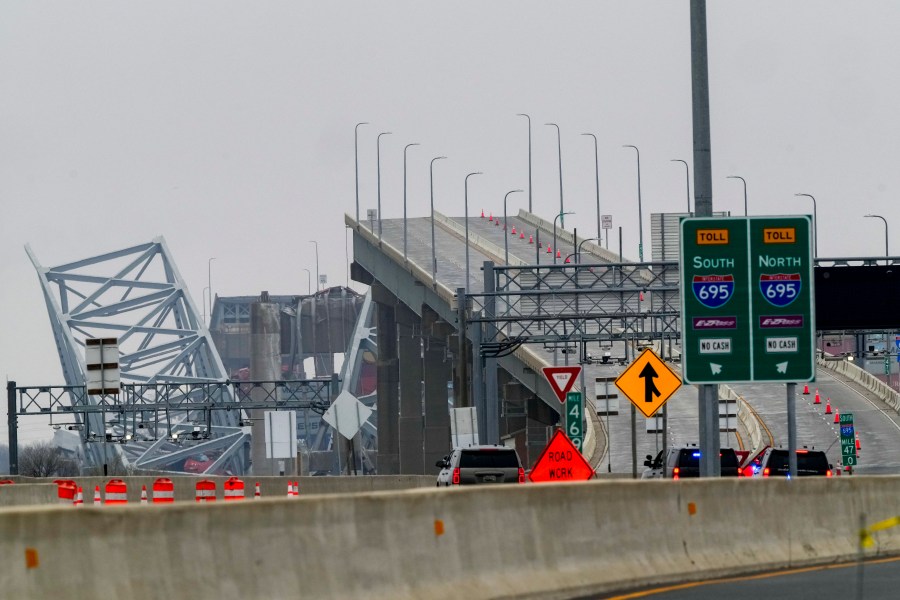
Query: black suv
pixel 685 462
pixel 810 463
pixel 480 464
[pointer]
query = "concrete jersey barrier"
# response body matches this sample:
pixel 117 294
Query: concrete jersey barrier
pixel 479 542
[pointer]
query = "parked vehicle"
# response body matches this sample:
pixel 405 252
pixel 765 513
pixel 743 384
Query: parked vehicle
pixel 810 463
pixel 480 464
pixel 683 462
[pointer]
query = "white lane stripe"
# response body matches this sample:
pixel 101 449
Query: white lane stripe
pixel 864 397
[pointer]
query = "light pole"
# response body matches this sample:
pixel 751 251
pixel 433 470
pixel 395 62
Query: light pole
pixel 529 158
pixel 886 251
pixel 404 195
pixel 815 225
pixel 317 262
pixel 378 164
pixel 745 189
pixel 581 243
pixel 640 210
pixel 356 162
pixel 209 283
pixel 308 282
pixel 466 200
pixel 506 233
pixel 562 222
pixel 554 232
pixel 433 252
pixel 687 179
pixel 597 176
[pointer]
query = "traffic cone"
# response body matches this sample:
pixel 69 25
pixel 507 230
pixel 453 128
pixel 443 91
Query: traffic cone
pixel 806 390
pixel 837 416
pixel 296 489
pixel 521 235
pixel 514 230
pixel 97 500
pixel 857 441
pixel 530 238
pixel 828 407
pixel 497 222
pixel 290 493
pixel 79 496
pixel 491 218
pixel 567 260
pixel 143 494
pixel 256 493
pixel 549 250
pixel 558 254
pixel 482 213
pixel 818 399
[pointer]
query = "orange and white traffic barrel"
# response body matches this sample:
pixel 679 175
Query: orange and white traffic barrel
pixel 7 482
pixel 233 489
pixel 65 491
pixel 206 491
pixel 257 494
pixel 116 492
pixel 163 491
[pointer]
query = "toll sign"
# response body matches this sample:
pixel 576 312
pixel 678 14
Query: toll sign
pixel 561 461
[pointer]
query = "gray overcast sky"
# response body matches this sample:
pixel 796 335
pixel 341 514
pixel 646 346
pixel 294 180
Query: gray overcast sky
pixel 227 127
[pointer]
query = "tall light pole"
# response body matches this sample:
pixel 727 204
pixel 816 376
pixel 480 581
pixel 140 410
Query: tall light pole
pixel 745 189
pixel 209 283
pixel 317 262
pixel 529 158
pixel 687 176
pixel 404 195
pixel 562 222
pixel 433 251
pixel 597 176
pixel 886 251
pixel 356 162
pixel 581 243
pixel 378 163
pixel 466 200
pixel 554 232
pixel 815 225
pixel 640 210
pixel 308 282
pixel 505 235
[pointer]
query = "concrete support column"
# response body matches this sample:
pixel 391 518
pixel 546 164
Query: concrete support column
pixel 265 365
pixel 437 413
pixel 411 425
pixel 388 381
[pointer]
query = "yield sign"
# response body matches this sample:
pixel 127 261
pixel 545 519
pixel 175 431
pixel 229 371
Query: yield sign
pixel 561 461
pixel 561 379
pixel 648 382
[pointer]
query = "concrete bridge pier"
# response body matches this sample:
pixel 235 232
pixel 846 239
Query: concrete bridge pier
pixel 388 373
pixel 411 420
pixel 438 372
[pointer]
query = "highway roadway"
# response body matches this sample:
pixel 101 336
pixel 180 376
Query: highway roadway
pixel 878 425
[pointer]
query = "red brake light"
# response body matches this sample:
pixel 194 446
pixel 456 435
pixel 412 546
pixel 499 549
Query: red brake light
pixel 675 472
pixel 828 473
pixel 766 472
pixel 521 475
pixel 802 451
pixel 456 476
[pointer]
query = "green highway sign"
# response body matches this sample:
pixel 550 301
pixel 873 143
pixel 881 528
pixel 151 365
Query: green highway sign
pixel 575 418
pixel 848 440
pixel 747 299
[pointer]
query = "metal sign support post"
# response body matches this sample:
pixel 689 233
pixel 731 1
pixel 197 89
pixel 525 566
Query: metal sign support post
pixel 492 402
pixel 792 428
pixel 12 419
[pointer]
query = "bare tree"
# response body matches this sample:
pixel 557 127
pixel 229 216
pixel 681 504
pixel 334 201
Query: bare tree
pixel 43 459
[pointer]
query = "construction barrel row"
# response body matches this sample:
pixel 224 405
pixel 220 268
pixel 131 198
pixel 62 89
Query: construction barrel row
pixel 163 489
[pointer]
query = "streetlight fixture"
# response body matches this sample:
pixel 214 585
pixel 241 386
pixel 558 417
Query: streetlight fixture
pixel 317 262
pixel 815 225
pixel 209 283
pixel 433 253
pixel 886 251
pixel 597 175
pixel 687 179
pixel 554 232
pixel 466 200
pixel 562 222
pixel 581 243
pixel 356 162
pixel 529 158
pixel 308 282
pixel 640 210
pixel 404 195
pixel 506 233
pixel 378 164
pixel 745 189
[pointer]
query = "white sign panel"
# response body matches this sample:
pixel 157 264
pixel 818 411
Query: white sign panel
pixel 347 414
pixel 463 426
pixel 606 221
pixel 281 433
pixel 101 361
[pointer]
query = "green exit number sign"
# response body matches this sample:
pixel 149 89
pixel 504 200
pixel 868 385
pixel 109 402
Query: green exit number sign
pixel 747 299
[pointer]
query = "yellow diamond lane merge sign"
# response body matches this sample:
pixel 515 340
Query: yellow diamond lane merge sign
pixel 648 382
